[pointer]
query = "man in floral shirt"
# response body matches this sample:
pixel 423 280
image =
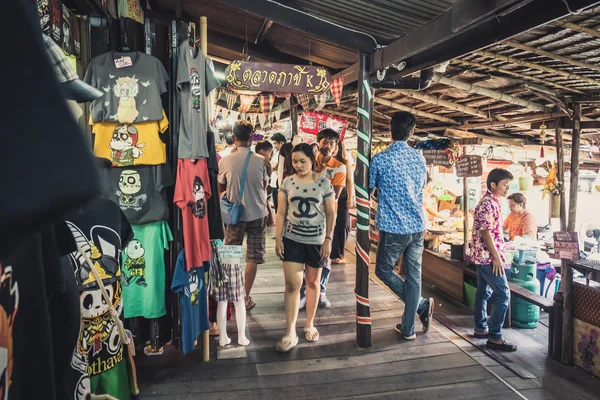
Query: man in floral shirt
pixel 487 253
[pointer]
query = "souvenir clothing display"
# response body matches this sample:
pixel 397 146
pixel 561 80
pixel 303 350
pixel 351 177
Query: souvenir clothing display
pixel 192 189
pixel 143 270
pixel 131 144
pixel 100 230
pixel 139 191
pixel 195 80
pixel 190 284
pixel 132 83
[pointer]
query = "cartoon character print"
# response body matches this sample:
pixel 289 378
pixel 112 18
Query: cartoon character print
pixel 126 89
pixel 199 204
pixel 130 184
pixel 135 264
pixel 66 28
pixel 195 89
pixel 44 12
pixel 79 362
pixel 100 334
pixel 9 304
pixel 193 290
pixel 124 145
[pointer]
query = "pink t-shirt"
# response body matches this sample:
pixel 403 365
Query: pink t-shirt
pixel 487 216
pixel 192 190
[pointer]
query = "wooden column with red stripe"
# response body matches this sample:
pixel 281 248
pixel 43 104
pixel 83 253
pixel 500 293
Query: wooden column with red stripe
pixel 363 202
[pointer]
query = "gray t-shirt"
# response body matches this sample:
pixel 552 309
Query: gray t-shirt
pixel 254 198
pixel 305 220
pixel 195 80
pixel 132 92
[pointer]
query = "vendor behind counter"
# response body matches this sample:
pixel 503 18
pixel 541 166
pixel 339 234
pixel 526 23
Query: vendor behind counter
pixel 519 222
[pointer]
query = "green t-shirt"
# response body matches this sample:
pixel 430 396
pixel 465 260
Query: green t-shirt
pixel 143 270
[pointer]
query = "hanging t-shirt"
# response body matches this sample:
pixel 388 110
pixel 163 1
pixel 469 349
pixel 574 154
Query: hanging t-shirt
pixel 194 81
pixel 132 84
pixel 131 144
pixel 190 284
pixel 192 190
pixel 215 219
pixel 143 270
pixel 100 230
pixel 139 191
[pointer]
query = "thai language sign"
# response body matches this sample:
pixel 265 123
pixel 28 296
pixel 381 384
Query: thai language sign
pixel 314 122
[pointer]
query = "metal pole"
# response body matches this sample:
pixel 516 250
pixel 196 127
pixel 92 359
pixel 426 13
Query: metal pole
pixel 363 201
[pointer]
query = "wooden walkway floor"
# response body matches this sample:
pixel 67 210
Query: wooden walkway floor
pixel 430 367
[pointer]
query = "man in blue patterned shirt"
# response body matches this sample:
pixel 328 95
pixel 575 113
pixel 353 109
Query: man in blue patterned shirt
pixel 399 174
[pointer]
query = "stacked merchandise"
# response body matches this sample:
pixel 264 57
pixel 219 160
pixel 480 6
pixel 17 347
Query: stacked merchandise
pixel 196 189
pixel 127 122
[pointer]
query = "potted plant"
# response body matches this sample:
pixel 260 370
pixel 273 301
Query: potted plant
pixel 554 188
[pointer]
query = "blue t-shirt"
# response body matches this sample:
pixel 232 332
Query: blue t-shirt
pixel 192 300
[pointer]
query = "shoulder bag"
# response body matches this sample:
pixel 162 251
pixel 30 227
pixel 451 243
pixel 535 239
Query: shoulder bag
pixel 230 211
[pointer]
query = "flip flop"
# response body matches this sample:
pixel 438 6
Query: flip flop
pixel 504 346
pixel 311 334
pixel 286 344
pixel 250 303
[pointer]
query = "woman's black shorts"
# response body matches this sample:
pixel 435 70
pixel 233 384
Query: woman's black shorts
pixel 308 254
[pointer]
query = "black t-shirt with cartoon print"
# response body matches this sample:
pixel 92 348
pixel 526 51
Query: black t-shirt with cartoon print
pixel 139 191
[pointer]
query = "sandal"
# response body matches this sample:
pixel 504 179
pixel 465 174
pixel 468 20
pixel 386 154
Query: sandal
pixel 311 334
pixel 250 303
pixel 504 346
pixel 286 344
pixel 483 335
pixel 338 261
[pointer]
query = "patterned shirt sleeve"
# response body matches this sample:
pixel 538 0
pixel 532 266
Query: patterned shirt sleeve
pixel 373 173
pixel 484 217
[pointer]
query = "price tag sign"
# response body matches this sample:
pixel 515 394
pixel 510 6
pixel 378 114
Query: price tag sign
pixel 123 62
pixel 566 245
pixel 436 157
pixel 469 166
pixel 230 251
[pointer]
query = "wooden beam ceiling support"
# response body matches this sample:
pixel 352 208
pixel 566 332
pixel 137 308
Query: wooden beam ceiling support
pixel 539 67
pixel 263 31
pixel 578 28
pixel 415 111
pixel 514 121
pixel 297 19
pixel 468 87
pixel 470 25
pixel 545 82
pixel 553 56
pixel 567 123
pixel 353 117
pixel 350 74
pixel 442 103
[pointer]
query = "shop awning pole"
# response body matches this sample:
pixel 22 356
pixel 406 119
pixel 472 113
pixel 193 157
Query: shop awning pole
pixel 363 201
pixel 567 271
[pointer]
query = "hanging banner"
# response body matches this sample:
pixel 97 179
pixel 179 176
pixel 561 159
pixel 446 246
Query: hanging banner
pixel 313 122
pixel 303 99
pixel 274 78
pixel 337 87
pixel 246 101
pixel 320 99
pixel 262 118
pixel 266 102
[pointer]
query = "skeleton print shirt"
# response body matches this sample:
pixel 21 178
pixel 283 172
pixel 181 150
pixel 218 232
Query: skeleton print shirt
pixel 132 84
pixel 305 220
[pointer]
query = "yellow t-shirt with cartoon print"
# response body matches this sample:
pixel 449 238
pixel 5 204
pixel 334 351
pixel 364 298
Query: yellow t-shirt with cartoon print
pixel 131 144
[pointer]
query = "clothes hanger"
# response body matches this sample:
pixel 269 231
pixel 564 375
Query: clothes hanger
pixel 124 42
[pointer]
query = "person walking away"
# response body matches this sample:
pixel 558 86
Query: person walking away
pixel 399 174
pixel 345 202
pixel 305 222
pixel 253 222
pixel 278 140
pixel 264 148
pixel 335 172
pixel 487 253
pixel 519 222
pixel 230 146
pixel 284 152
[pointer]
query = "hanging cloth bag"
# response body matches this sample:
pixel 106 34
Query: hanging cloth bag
pixel 230 211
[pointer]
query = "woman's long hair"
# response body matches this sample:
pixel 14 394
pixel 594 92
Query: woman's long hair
pixel 340 153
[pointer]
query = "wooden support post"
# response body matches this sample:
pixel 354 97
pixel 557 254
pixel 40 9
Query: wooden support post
pixel 294 115
pixel 204 48
pixel 567 271
pixel 465 211
pixel 363 200
pixel 560 157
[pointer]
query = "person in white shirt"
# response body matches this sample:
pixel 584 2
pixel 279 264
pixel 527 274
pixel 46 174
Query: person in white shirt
pixel 230 146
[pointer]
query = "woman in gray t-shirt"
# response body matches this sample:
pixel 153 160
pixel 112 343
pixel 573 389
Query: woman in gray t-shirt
pixel 305 221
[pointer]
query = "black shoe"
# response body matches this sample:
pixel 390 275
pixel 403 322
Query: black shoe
pixel 427 315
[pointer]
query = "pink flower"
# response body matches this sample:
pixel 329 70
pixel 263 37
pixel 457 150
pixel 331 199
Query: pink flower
pixel 594 349
pixel 594 334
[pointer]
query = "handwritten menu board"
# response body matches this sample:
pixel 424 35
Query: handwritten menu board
pixel 436 157
pixel 469 166
pixel 566 245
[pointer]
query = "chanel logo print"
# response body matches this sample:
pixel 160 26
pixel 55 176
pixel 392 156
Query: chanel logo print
pixel 304 207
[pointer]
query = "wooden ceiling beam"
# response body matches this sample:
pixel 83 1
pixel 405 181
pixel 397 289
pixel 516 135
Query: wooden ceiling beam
pixel 523 119
pixel 415 111
pixel 578 28
pixel 553 56
pixel 442 103
pixel 539 67
pixel 476 65
pixel 296 19
pixel 488 92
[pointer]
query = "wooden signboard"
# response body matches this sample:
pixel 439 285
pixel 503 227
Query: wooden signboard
pixel 436 157
pixel 566 245
pixel 277 78
pixel 469 166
